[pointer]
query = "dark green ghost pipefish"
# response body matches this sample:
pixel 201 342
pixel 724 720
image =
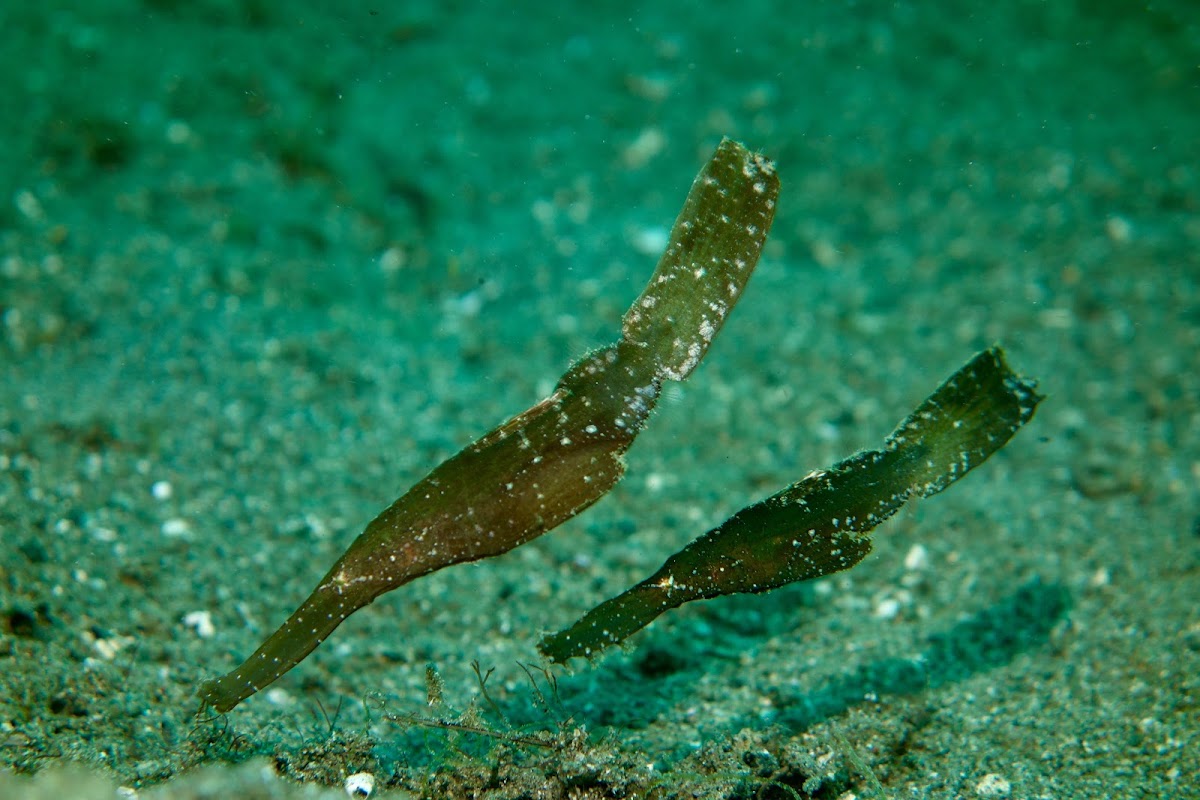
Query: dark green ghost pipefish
pixel 822 523
pixel 547 464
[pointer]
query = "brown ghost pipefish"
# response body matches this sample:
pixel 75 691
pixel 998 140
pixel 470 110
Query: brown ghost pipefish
pixel 547 464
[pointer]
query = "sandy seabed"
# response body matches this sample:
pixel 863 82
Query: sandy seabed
pixel 262 267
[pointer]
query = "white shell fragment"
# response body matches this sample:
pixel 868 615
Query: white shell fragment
pixel 360 784
pixel 201 622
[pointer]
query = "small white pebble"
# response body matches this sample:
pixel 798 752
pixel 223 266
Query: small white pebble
pixel 178 132
pixel 650 241
pixel 360 784
pixel 108 649
pixel 176 527
pixel 642 150
pixel 916 558
pixel 29 206
pixel 101 534
pixel 887 608
pixel 161 490
pixel 992 785
pixel 393 259
pixel 1119 230
pixel 201 622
